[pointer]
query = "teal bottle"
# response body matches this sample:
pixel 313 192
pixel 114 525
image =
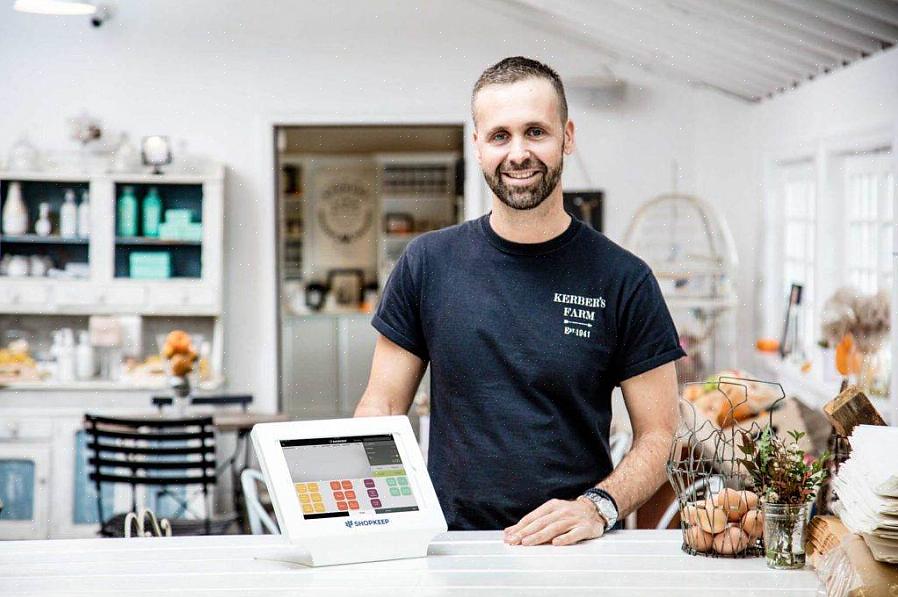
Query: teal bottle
pixel 152 213
pixel 127 213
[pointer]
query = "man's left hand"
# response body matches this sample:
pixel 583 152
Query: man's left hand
pixel 560 522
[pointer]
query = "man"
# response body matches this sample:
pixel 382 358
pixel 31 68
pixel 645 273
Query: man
pixel 528 319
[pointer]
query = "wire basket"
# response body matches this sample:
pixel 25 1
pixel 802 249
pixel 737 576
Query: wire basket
pixel 719 514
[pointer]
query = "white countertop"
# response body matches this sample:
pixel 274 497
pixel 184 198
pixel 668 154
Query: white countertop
pixel 624 563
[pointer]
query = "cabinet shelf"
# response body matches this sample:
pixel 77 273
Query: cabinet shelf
pixel 155 242
pixel 34 239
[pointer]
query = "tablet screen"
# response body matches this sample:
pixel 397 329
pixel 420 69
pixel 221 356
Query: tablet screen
pixel 344 476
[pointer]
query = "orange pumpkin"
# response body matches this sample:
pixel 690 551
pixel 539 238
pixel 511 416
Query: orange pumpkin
pixel 848 359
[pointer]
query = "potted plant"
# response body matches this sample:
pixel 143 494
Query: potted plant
pixel 786 479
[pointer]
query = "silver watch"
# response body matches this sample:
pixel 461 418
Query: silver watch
pixel 606 507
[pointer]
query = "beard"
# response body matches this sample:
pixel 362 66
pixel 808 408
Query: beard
pixel 529 196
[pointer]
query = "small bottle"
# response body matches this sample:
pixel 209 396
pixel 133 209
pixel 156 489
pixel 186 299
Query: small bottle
pixel 65 356
pixel 152 213
pixel 127 213
pixel 68 216
pixel 84 215
pixel 84 357
pixel 42 226
pixel 15 214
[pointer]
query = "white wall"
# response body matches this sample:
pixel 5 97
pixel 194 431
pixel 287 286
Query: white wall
pixel 211 72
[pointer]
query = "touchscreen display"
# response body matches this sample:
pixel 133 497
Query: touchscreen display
pixel 347 476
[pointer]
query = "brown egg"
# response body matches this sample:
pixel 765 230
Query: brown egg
pixel 753 523
pixel 712 520
pixel 698 539
pixel 751 499
pixel 733 502
pixel 689 514
pixel 731 541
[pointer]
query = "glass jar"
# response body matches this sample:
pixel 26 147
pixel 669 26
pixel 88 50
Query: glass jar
pixel 784 535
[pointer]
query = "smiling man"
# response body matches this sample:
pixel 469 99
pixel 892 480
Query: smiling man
pixel 528 319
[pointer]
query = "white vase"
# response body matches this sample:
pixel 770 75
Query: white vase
pixel 15 214
pixel 42 227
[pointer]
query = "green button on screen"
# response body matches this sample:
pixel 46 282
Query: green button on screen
pixel 391 482
pixel 394 491
pixel 406 490
pixel 402 481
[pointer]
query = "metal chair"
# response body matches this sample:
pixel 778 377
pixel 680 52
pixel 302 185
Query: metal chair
pixel 255 511
pixel 163 453
pixel 619 445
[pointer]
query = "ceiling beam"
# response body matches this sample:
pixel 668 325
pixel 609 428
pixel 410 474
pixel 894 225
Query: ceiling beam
pixel 825 33
pixel 882 10
pixel 826 57
pixel 795 64
pixel 846 19
pixel 661 23
pixel 612 47
pixel 663 49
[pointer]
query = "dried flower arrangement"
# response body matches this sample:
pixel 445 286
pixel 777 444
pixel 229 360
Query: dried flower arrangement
pixel 864 317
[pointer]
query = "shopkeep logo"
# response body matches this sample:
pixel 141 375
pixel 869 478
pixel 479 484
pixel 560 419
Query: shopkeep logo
pixel 366 523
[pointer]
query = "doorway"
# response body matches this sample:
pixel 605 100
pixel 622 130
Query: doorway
pixel 349 199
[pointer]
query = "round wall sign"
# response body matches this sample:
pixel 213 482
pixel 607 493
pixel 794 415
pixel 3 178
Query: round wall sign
pixel 345 211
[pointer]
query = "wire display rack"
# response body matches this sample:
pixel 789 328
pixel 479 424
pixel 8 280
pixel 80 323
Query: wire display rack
pixel 720 515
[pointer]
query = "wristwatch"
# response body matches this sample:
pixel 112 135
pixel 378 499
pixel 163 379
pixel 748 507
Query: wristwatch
pixel 604 503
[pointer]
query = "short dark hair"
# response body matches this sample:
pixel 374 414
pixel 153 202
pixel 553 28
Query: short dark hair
pixel 517 68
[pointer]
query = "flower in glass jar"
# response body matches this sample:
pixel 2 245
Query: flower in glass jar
pixel 780 471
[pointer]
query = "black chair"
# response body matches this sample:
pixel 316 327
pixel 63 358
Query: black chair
pixel 165 453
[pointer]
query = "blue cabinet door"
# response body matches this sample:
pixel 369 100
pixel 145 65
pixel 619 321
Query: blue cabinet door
pixel 24 467
pixel 17 485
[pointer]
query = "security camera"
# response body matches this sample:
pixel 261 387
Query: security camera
pixel 102 14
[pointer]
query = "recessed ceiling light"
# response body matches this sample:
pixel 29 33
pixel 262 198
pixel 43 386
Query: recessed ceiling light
pixel 55 7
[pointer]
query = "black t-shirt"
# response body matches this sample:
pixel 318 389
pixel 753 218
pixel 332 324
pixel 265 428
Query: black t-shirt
pixel 525 344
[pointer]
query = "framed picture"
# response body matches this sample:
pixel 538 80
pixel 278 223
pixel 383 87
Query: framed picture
pixel 586 206
pixel 346 286
pixel 790 327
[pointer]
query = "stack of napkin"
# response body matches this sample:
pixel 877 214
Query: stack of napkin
pixel 867 487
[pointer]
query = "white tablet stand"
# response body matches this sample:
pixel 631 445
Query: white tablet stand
pixel 348 490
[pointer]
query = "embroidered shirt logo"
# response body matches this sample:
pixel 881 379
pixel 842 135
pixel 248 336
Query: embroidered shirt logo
pixel 579 319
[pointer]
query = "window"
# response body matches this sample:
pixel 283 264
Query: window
pixel 799 213
pixel 869 207
pixel 833 224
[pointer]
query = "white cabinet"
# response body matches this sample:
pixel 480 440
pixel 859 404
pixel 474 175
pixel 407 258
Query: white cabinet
pixel 24 479
pixel 193 285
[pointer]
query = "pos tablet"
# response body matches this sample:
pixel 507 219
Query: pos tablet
pixel 348 490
